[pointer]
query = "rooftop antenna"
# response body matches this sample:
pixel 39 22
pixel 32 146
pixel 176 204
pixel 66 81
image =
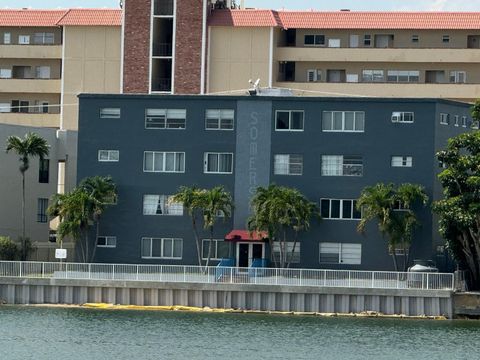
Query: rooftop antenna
pixel 256 88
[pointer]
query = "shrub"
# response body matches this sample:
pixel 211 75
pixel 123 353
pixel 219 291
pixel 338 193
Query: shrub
pixel 8 249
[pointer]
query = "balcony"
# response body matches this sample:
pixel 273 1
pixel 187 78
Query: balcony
pixel 31 51
pixel 407 90
pixel 47 86
pixel 31 119
pixel 326 54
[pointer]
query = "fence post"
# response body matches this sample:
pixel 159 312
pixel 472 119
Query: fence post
pixel 113 272
pixel 428 278
pixel 231 275
pixel 43 270
pixel 276 276
pixel 349 279
pixel 373 279
pixel 453 281
pixel 137 272
pixel 300 277
pixel 184 274
pixel 161 272
pixel 324 278
pixel 255 275
pixel 66 270
pixel 20 272
pixel 398 280
pixel 89 271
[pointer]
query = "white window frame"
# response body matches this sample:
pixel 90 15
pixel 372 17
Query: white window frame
pixel 205 162
pixel 400 117
pixel 112 239
pixel 290 120
pixel 288 164
pixel 221 115
pixel 373 75
pixel 165 203
pixel 315 36
pixel 5 73
pixel 110 113
pixel 410 74
pixel 7 38
pixel 340 161
pixel 353 203
pixel 355 115
pixel 110 155
pixel 289 247
pixel 367 40
pixel 164 160
pixel 162 248
pixel 401 161
pixel 23 39
pixel 456 120
pixel 340 248
pixel 314 75
pixel 444 119
pixel 43 72
pixel 175 114
pixel 44 36
pixel 214 253
pixel 459 77
pixel 464 121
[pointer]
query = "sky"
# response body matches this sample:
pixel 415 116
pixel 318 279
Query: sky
pixel 400 5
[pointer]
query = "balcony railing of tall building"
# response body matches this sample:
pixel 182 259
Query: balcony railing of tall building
pixel 163 8
pixel 162 84
pixel 162 49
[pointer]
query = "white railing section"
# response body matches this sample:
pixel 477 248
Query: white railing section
pixel 229 275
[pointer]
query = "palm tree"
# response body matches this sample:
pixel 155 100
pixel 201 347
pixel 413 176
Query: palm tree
pixel 214 202
pixel 31 146
pixel 103 192
pixel 391 208
pixel 192 199
pixel 280 210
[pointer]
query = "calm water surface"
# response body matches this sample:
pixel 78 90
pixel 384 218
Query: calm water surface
pixel 57 333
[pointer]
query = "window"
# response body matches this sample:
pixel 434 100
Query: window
pixel 338 165
pixel 464 121
pixel 5 107
pixel 218 163
pixel 107 241
pixel 43 172
pixel 220 249
pixel 20 106
pixel 373 76
pixel 42 72
pixel 343 121
pixel 42 206
pixel 162 248
pixel 314 75
pixel 399 206
pixel 291 258
pixel 219 119
pixel 458 77
pixel 288 164
pixel 44 38
pixel 446 38
pixel 367 40
pixel 110 113
pixel 402 76
pixel 24 39
pixel 314 40
pixel 339 253
pixel 7 38
pixel 457 120
pixel 339 209
pixel 414 38
pixel 108 155
pixel 161 205
pixel 289 120
pixel 5 73
pixel 444 119
pixel 402 161
pixel 161 161
pixel 403 117
pixel 165 118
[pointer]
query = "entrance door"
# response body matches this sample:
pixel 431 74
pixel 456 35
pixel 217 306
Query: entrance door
pixel 246 252
pixel 243 255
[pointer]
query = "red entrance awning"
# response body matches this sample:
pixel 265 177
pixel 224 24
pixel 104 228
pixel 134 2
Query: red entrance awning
pixel 245 235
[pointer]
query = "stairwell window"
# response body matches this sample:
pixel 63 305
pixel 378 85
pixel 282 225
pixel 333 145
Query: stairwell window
pixel 289 120
pixel 339 209
pixel 464 121
pixel 43 171
pixel 110 113
pixel 162 248
pixel 42 206
pixel 108 155
pixel 219 119
pixel 161 205
pixel 164 161
pixel 367 40
pixel 339 165
pixel 288 164
pixel 107 241
pixel 343 121
pixel 444 119
pixel 7 38
pixel 402 161
pixel 220 249
pixel 403 117
pixel 292 255
pixel 314 75
pixel 23 39
pixel 340 253
pixel 456 120
pixel 165 118
pixel 218 163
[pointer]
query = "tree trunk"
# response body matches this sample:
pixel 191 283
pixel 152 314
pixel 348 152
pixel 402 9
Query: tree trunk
pixel 394 257
pixel 24 239
pixel 97 233
pixel 209 247
pixel 272 256
pixel 293 249
pixel 197 240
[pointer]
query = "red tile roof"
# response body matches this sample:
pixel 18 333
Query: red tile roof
pixel 47 18
pixel 347 19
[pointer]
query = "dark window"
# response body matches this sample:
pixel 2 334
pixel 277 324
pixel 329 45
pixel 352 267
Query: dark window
pixel 325 208
pixel 283 120
pixel 335 209
pixel 44 171
pixel 414 38
pixel 309 39
pixel 446 38
pixel 347 210
pixel 367 40
pixel 42 210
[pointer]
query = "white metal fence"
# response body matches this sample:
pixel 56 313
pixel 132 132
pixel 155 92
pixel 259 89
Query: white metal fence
pixel 229 275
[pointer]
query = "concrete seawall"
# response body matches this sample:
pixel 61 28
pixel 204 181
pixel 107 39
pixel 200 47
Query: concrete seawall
pixel 247 297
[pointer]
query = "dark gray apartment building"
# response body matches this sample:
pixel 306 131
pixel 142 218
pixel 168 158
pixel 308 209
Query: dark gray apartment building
pixel 328 148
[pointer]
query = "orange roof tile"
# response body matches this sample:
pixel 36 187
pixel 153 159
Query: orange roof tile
pixel 347 19
pixel 73 17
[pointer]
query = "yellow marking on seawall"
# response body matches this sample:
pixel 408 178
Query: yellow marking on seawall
pixel 365 314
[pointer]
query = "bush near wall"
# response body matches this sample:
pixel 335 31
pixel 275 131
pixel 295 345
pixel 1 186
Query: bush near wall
pixel 9 250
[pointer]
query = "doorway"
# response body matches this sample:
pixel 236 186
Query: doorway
pixel 247 252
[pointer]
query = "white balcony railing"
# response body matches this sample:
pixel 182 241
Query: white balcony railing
pixel 229 275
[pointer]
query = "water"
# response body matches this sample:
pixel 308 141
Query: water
pixel 73 333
